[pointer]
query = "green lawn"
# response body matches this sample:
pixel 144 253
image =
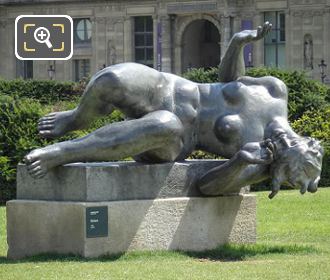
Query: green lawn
pixel 293 243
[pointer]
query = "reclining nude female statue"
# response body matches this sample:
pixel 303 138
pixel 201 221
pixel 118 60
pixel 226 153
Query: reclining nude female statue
pixel 168 117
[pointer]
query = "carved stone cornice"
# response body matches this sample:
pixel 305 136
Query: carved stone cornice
pixel 242 3
pixel 309 13
pixel 194 7
pixel 307 2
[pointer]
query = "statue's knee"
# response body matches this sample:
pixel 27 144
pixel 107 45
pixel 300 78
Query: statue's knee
pixel 171 123
pixel 167 123
pixel 106 79
pixel 106 86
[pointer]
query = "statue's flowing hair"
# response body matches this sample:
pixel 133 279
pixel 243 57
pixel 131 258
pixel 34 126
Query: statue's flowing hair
pixel 297 156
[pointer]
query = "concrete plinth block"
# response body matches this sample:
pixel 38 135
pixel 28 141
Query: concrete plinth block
pixel 113 181
pixel 184 223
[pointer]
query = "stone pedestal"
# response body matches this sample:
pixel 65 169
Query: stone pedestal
pixel 108 208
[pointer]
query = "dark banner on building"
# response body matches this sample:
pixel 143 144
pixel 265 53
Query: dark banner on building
pixel 159 46
pixel 248 50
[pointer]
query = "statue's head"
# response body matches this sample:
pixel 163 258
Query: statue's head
pixel 298 162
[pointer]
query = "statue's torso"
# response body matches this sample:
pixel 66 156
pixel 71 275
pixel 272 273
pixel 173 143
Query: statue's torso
pixel 238 112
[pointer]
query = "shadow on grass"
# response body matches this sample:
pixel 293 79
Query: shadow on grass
pixel 59 258
pixel 229 252
pixel 234 252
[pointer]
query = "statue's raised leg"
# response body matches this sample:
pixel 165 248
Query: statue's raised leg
pixel 92 105
pixel 103 91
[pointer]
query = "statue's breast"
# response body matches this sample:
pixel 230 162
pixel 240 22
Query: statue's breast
pixel 237 113
pixel 246 111
pixel 229 128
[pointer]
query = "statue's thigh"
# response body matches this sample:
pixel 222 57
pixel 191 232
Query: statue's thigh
pixel 173 135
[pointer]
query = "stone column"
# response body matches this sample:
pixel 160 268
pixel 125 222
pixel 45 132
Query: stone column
pixel 122 41
pixel 114 44
pixel 4 71
pixel 226 33
pixel 288 40
pixel 128 44
pixel 9 59
pixel 326 20
pixel 103 44
pixel 166 44
pixel 95 43
pixel 176 45
pixel 99 44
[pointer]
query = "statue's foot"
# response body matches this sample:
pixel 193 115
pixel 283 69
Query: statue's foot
pixel 57 124
pixel 39 161
pixel 247 36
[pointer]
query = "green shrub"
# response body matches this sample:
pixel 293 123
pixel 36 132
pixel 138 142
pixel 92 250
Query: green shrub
pixel 200 75
pixel 45 91
pixel 18 118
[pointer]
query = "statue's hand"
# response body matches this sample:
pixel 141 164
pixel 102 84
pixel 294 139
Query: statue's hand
pixel 258 152
pixel 253 35
pixel 262 31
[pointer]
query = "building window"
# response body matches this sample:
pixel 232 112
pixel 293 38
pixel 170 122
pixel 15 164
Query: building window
pixel 82 30
pixel 24 69
pixel 81 69
pixel 275 40
pixel 143 40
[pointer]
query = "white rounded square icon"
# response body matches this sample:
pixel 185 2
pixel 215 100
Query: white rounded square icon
pixel 43 37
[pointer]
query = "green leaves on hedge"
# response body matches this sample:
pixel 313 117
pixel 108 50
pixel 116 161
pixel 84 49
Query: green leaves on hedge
pixel 201 75
pixel 18 135
pixel 45 91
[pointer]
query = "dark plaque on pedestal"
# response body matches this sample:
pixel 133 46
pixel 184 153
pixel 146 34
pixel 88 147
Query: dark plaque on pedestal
pixel 96 221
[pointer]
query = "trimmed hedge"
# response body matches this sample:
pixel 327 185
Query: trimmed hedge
pixel 18 135
pixel 45 91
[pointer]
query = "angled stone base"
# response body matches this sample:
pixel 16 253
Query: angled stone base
pixel 113 181
pixel 184 223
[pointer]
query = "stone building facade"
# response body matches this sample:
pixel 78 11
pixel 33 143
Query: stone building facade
pixel 172 36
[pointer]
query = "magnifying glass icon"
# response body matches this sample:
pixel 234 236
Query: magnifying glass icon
pixel 41 35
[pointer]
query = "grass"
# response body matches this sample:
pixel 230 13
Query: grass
pixel 293 243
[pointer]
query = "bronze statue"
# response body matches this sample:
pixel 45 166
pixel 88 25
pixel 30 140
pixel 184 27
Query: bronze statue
pixel 168 117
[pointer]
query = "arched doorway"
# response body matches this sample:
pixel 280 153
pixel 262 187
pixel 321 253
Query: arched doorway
pixel 200 45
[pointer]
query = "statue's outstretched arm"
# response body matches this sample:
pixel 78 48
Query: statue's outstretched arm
pixel 247 166
pixel 232 64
